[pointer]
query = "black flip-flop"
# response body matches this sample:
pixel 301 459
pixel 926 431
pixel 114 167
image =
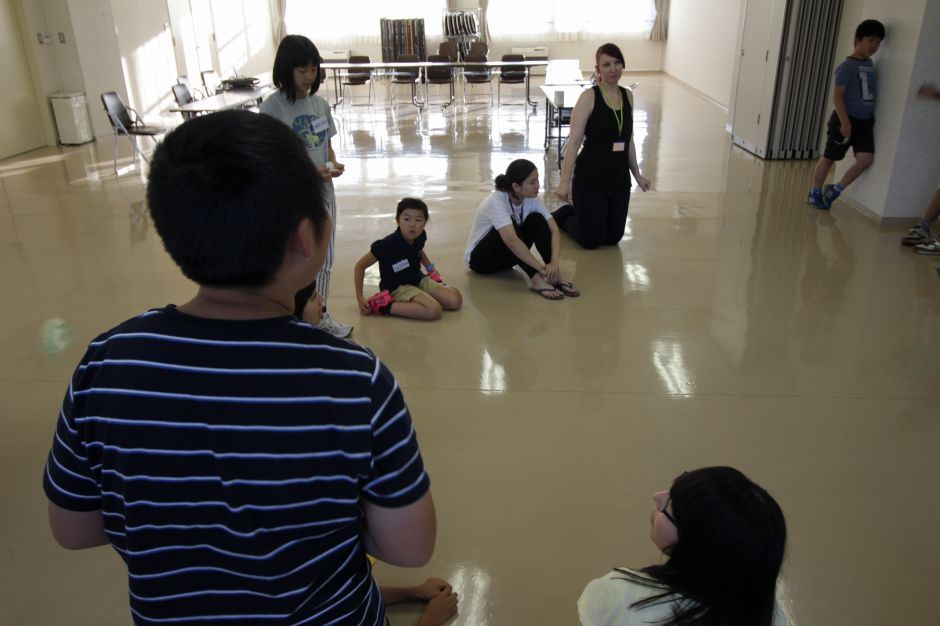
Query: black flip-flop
pixel 568 289
pixel 544 291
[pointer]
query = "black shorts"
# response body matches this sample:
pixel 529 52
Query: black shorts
pixel 862 139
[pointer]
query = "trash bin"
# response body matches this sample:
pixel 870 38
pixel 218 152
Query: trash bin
pixel 71 117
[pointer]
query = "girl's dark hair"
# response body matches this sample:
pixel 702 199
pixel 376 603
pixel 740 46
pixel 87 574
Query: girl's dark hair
pixel 412 203
pixel 517 172
pixel 726 561
pixel 294 51
pixel 610 50
pixel 870 28
pixel 226 192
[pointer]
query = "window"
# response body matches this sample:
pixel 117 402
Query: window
pixel 564 20
pixel 349 22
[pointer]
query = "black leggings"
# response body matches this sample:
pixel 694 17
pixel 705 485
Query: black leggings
pixel 491 254
pixel 598 218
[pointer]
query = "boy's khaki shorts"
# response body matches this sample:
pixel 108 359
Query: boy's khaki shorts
pixel 407 293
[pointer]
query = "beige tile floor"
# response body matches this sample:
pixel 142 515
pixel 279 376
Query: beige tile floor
pixel 733 325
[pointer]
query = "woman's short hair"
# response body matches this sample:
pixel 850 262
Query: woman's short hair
pixel 294 51
pixel 610 50
pixel 517 172
pixel 730 547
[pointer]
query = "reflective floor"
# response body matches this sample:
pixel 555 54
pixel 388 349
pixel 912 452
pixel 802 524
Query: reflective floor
pixel 732 325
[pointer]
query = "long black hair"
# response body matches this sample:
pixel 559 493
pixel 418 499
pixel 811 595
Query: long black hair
pixel 294 51
pixel 517 172
pixel 722 570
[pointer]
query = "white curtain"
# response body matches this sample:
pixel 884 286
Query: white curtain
pixel 349 22
pixel 570 20
pixel 278 20
pixel 660 28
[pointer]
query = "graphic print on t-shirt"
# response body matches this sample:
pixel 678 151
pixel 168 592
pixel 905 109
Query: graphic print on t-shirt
pixel 313 130
pixel 864 83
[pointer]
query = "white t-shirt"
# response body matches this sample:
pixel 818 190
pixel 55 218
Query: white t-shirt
pixel 496 212
pixel 310 119
pixel 606 601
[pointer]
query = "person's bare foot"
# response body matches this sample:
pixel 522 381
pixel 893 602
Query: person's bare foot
pixel 545 289
pixel 440 608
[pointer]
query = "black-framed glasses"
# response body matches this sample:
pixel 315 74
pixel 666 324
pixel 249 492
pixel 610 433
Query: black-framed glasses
pixel 664 511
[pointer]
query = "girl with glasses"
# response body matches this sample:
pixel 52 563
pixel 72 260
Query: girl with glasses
pixel 723 537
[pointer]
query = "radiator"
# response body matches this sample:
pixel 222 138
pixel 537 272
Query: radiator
pixel 537 52
pixel 335 55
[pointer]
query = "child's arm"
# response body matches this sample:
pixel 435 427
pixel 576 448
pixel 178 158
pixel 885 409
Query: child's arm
pixel 338 168
pixel 433 274
pixel 359 275
pixel 838 101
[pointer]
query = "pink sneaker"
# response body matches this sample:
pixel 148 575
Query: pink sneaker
pixel 379 300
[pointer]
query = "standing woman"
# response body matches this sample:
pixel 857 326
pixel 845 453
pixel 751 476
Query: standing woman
pixel 600 192
pixel 724 539
pixel 297 77
pixel 506 225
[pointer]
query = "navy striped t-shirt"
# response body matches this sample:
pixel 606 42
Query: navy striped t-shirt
pixel 229 460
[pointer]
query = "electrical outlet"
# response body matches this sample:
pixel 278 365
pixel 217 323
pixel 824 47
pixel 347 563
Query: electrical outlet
pixel 61 37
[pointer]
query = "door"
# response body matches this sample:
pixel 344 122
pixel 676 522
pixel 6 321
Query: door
pixel 23 130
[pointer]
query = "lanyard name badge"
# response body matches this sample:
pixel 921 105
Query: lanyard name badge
pixel 618 146
pixel 512 212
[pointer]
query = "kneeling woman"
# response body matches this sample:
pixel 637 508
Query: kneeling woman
pixel 506 225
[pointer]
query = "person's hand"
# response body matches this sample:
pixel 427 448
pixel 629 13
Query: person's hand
pixel 338 169
pixel 324 172
pixel 433 587
pixel 928 90
pixel 313 310
pixel 440 608
pixel 551 273
pixel 364 306
pixel 643 182
pixel 561 192
pixel 846 131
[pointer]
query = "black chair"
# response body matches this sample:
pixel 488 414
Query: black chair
pixel 449 48
pixel 476 75
pixel 211 82
pixel 440 76
pixel 183 96
pixel 511 74
pixel 359 77
pixel 408 76
pixel 196 93
pixel 479 48
pixel 123 124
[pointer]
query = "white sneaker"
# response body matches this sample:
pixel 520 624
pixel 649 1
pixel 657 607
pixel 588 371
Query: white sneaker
pixel 334 326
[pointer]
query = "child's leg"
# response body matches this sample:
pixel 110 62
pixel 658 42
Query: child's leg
pixel 863 161
pixel 821 172
pixel 420 307
pixel 323 278
pixel 448 297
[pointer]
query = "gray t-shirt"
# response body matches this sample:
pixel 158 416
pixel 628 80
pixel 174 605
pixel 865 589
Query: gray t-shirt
pixel 310 118
pixel 860 80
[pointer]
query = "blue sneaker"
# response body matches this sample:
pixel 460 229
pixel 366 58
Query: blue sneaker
pixel 830 194
pixel 815 198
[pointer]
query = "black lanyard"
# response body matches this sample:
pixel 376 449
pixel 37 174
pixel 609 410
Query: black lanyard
pixel 512 211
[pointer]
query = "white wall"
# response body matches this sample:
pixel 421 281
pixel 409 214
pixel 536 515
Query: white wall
pixel 145 44
pixel 701 47
pixel 99 56
pixel 23 128
pixel 907 158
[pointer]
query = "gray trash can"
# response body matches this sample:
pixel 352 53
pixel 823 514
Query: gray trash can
pixel 71 118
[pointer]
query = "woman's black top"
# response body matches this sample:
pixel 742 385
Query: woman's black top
pixel 597 165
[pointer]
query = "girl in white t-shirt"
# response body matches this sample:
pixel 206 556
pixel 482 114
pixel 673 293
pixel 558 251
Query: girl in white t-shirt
pixel 724 537
pixel 297 75
pixel 508 223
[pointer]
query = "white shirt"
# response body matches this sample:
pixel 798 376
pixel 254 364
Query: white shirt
pixel 496 212
pixel 606 601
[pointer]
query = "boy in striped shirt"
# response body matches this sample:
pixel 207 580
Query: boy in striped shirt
pixel 240 461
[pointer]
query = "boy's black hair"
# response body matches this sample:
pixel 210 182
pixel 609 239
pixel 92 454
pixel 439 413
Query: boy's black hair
pixel 412 203
pixel 226 191
pixel 870 28
pixel 294 51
